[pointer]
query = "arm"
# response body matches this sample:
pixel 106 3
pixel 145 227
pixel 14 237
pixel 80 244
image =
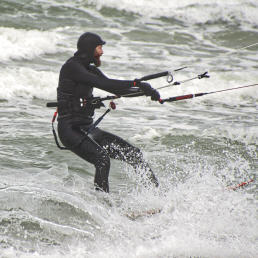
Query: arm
pixel 118 87
pixel 76 72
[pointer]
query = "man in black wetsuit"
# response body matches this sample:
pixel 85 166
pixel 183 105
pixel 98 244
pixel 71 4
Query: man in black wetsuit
pixel 78 76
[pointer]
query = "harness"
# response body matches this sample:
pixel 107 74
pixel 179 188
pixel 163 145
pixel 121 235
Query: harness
pixel 96 102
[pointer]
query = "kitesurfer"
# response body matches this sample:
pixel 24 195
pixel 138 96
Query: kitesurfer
pixel 76 105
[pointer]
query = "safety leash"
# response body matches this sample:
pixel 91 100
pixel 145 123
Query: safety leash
pixel 54 132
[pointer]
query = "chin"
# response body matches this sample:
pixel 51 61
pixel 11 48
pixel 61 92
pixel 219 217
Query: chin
pixel 97 61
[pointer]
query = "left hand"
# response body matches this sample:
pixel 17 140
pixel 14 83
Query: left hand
pixel 155 95
pixel 149 91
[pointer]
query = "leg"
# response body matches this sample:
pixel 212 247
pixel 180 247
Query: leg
pixel 117 148
pixel 89 150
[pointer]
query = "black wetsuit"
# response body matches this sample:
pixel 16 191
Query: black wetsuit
pixel 77 79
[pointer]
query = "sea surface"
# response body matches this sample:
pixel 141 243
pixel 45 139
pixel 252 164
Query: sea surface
pixel 199 148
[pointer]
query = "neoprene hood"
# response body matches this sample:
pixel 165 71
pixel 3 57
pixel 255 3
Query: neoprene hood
pixel 86 45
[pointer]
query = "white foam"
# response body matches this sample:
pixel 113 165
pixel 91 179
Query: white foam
pixel 192 11
pixel 27 44
pixel 146 134
pixel 27 83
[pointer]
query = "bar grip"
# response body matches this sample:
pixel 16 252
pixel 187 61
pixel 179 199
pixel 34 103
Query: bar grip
pixel 153 76
pixel 52 104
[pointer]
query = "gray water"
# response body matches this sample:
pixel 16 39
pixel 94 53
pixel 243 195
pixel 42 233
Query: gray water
pixel 198 148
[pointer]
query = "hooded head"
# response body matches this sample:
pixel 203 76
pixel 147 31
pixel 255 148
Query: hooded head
pixel 86 45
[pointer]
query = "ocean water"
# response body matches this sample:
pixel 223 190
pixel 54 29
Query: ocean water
pixel 198 148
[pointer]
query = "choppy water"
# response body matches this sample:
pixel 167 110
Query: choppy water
pixel 199 147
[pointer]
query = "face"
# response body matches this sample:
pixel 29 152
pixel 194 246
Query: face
pixel 98 51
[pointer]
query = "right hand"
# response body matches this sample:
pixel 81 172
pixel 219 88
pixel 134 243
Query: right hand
pixel 149 91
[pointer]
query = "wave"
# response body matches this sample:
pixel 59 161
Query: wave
pixel 198 207
pixel 190 11
pixel 27 83
pixel 18 44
